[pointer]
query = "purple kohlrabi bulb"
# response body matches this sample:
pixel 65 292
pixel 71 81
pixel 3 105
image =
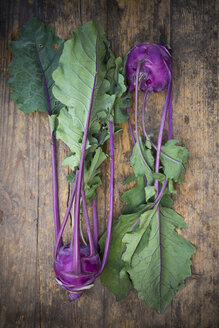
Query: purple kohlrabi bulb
pixel 67 279
pixel 154 61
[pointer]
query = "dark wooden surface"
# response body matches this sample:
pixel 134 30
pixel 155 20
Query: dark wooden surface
pixel 28 295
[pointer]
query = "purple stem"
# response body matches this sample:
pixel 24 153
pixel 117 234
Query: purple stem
pixel 99 137
pixel 58 239
pixel 160 136
pixel 55 188
pixel 136 115
pixel 149 139
pixel 95 224
pixel 154 203
pixel 170 103
pixel 159 195
pixel 87 222
pixel 130 127
pixel 110 215
pixel 76 264
pixel 53 152
pixel 170 116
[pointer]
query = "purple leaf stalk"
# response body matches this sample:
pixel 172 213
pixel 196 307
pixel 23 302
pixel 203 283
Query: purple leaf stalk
pixel 76 264
pixel 148 68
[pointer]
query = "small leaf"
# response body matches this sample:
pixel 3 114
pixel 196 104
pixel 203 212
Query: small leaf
pixel 166 201
pixel 160 177
pixel 130 179
pixel 148 144
pixel 139 167
pixel 150 191
pixel 91 170
pixel 174 169
pixel 134 197
pixel 171 188
pixel 53 122
pixel 70 177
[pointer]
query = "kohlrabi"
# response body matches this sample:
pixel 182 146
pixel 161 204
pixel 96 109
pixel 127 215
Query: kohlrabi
pixel 146 251
pixel 82 90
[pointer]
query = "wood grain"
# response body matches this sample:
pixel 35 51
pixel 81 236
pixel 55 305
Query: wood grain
pixel 28 294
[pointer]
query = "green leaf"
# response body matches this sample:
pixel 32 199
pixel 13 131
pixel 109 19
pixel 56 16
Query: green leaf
pixel 158 272
pixel 114 276
pixel 139 167
pixel 91 170
pixel 174 170
pixel 148 144
pixel 80 78
pixel 69 131
pixel 150 191
pixel 132 239
pixel 171 188
pixel 160 177
pixel 134 197
pixel 122 100
pixel 130 179
pixel 53 122
pixel 36 51
pixel 166 201
pixel 70 177
pixel 80 83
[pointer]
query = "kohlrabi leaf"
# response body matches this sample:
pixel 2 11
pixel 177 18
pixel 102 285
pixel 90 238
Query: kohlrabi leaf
pixel 130 179
pixel 166 201
pixel 142 231
pixel 114 276
pixel 69 130
pixel 134 197
pixel 139 167
pixel 70 177
pixel 91 171
pixel 172 169
pixel 80 78
pixel 159 176
pixel 36 54
pixel 81 84
pixel 118 87
pixel 160 266
pixel 150 191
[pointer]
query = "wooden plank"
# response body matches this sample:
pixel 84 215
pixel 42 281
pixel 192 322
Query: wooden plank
pixel 194 43
pixel 29 297
pixel 19 136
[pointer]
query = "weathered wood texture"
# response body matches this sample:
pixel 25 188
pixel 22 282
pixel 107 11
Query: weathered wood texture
pixel 29 297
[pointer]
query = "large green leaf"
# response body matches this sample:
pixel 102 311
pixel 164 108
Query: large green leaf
pixel 159 266
pixel 36 54
pixel 81 84
pixel 132 239
pixel 174 169
pixel 115 276
pixel 80 78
